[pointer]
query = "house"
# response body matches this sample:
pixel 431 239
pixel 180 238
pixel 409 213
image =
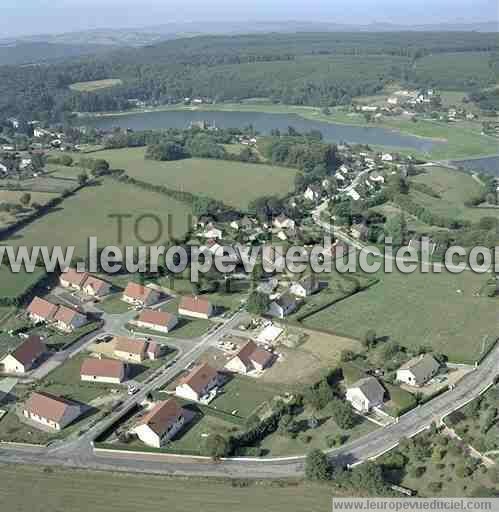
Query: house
pixel 67 319
pixel 41 310
pixel 250 358
pixel 353 194
pixel 283 306
pixel 284 222
pixel 139 295
pixel 419 370
pixel 200 384
pixel 162 423
pixel 71 278
pixel 157 320
pixel 305 287
pixel 51 411
pixel 365 394
pixel 212 232
pixel 386 157
pixel 25 356
pixel 313 193
pixel 195 307
pixel 108 371
pixel 128 349
pixel 244 223
pixel 95 287
pixel 153 351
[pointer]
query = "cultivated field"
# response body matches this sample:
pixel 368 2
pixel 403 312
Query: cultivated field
pixel 232 182
pixel 38 490
pixel 440 310
pixel 96 85
pixel 88 214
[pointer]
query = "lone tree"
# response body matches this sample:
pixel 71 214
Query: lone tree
pixel 370 338
pixel 25 199
pixel 317 466
pixel 217 446
pixel 82 178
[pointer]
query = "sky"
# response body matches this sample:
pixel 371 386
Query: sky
pixel 20 17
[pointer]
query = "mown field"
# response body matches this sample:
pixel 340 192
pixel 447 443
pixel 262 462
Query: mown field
pixel 88 214
pixel 25 488
pixel 16 283
pixel 232 182
pixel 443 311
pixel 95 85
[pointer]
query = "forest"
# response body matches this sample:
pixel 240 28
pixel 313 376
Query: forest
pixel 318 69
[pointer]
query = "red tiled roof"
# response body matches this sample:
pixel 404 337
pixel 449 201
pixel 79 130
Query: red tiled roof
pixel 102 368
pixel 130 345
pixel 42 308
pixel 47 406
pixel 65 315
pixel 29 351
pixel 137 291
pixel 199 377
pixel 95 283
pixel 195 304
pixel 261 356
pixel 162 416
pixel 72 276
pixel 150 316
pixel 251 352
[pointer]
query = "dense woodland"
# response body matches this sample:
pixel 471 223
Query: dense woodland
pixel 321 69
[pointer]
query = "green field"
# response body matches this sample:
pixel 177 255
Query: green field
pixel 232 182
pixel 88 214
pixel 35 489
pixel 440 310
pixel 16 283
pixel 95 85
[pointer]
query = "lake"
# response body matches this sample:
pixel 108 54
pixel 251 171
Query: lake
pixel 487 165
pixel 264 123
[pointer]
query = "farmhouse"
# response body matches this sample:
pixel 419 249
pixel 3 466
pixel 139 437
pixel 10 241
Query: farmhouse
pixel 129 349
pixel 67 319
pixel 313 192
pixel 195 307
pixel 108 371
pixel 283 306
pixel 306 286
pixel 419 370
pixel 157 320
pixel 51 411
pixel 366 394
pixel 200 384
pixel 360 232
pixel 41 310
pixel 139 295
pixel 162 423
pixel 95 287
pixel 71 278
pixel 153 350
pixel 25 356
pixel 250 358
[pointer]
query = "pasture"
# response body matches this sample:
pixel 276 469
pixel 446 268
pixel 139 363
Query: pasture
pixel 235 183
pixel 89 213
pixel 59 489
pixel 95 85
pixel 443 311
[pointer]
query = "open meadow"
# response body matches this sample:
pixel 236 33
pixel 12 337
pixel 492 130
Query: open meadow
pixel 39 490
pixel 235 183
pixel 88 213
pixel 443 311
pixel 95 85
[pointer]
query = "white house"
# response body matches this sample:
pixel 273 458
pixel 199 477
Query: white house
pixel 199 384
pixel 71 278
pixel 68 320
pixel 108 371
pixel 162 423
pixel 386 157
pixel 195 307
pixel 305 287
pixel 313 193
pixel 95 287
pixel 41 310
pixel 139 295
pixel 51 411
pixel 419 370
pixel 25 356
pixel 365 394
pixel 250 358
pixel 157 320
pixel 283 306
pixel 284 222
pixel 353 194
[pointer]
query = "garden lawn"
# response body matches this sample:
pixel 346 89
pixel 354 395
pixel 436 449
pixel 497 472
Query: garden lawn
pixel 438 310
pixel 234 183
pixel 113 305
pixel 88 214
pixel 16 283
